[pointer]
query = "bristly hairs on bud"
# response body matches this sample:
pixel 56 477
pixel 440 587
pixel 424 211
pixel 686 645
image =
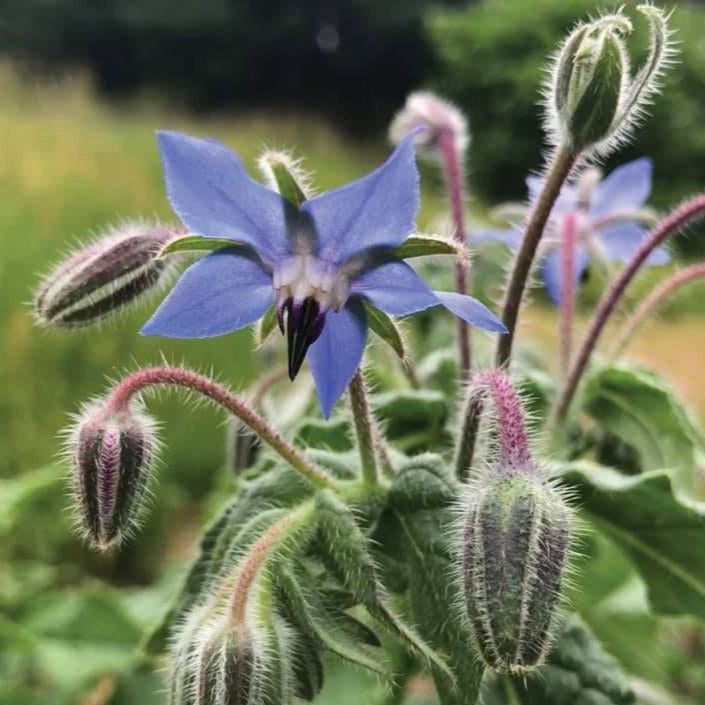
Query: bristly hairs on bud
pixel 514 533
pixel 601 128
pixel 104 277
pixel 423 108
pixel 112 455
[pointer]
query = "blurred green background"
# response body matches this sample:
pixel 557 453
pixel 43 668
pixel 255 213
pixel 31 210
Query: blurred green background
pixel 84 85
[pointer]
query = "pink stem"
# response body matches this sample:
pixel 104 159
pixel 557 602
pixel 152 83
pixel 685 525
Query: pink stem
pixel 651 302
pixel 670 224
pixel 567 294
pixel 456 198
pixel 120 398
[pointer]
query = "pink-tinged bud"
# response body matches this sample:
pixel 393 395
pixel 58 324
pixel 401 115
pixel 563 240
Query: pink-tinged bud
pixel 441 119
pixel 113 454
pixel 104 277
pixel 515 536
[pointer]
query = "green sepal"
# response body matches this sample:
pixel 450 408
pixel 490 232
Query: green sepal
pixel 424 245
pixel 265 326
pixel 196 243
pixel 386 328
pixel 306 609
pixel 287 186
pixel 308 669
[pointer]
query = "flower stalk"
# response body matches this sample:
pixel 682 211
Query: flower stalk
pixel 672 223
pixel 561 165
pixel 654 299
pixel 175 376
pixel 364 428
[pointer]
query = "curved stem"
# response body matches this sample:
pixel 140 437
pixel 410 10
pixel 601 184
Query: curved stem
pixel 558 171
pixel 175 376
pixel 654 299
pixel 687 212
pixel 456 197
pixel 364 425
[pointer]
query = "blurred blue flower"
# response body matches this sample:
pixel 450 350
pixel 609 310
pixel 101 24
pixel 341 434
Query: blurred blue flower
pixel 604 216
pixel 316 264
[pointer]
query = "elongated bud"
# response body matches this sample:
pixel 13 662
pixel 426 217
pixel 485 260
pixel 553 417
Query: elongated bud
pixel 113 457
pixel 285 175
pixel 103 278
pixel 592 99
pixel 515 538
pixel 440 118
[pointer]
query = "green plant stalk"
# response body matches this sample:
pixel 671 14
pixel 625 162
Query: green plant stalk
pixel 364 428
pixel 560 167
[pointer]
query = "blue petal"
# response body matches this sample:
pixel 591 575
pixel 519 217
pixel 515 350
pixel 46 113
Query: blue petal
pixel 552 271
pixel 337 353
pixel 566 200
pixel 624 190
pixel 218 294
pixel 375 211
pixel 510 237
pixel 398 290
pixel 214 197
pixel 620 241
pixel 471 310
pixel 395 288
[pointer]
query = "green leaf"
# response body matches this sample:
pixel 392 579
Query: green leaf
pixel 423 245
pixel 639 408
pixel 17 494
pixel 413 419
pixel 385 327
pixel 325 435
pixel 662 533
pixel 196 243
pixel 577 671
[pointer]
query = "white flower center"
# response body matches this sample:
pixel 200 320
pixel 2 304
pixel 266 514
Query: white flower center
pixel 304 276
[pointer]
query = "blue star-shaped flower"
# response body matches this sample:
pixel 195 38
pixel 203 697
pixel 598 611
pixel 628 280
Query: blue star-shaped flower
pixel 316 264
pixel 603 215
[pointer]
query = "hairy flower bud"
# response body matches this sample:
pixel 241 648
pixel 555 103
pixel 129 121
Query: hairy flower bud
pixel 515 544
pixel 592 100
pixel 113 457
pixel 102 278
pixel 515 539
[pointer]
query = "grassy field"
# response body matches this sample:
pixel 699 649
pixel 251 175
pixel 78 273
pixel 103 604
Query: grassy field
pixel 72 166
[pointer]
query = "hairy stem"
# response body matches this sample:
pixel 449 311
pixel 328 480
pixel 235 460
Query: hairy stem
pixel 654 299
pixel 364 427
pixel 178 377
pixel 669 225
pixel 567 293
pixel 558 171
pixel 456 197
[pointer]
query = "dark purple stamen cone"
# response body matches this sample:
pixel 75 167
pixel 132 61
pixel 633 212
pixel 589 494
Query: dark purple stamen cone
pixel 304 323
pixel 113 456
pixel 102 278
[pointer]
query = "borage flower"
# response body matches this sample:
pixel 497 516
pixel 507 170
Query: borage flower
pixel 601 216
pixel 316 264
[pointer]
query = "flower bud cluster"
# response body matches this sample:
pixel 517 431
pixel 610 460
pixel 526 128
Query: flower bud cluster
pixel 515 539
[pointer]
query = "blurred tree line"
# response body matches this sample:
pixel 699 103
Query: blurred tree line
pixel 354 61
